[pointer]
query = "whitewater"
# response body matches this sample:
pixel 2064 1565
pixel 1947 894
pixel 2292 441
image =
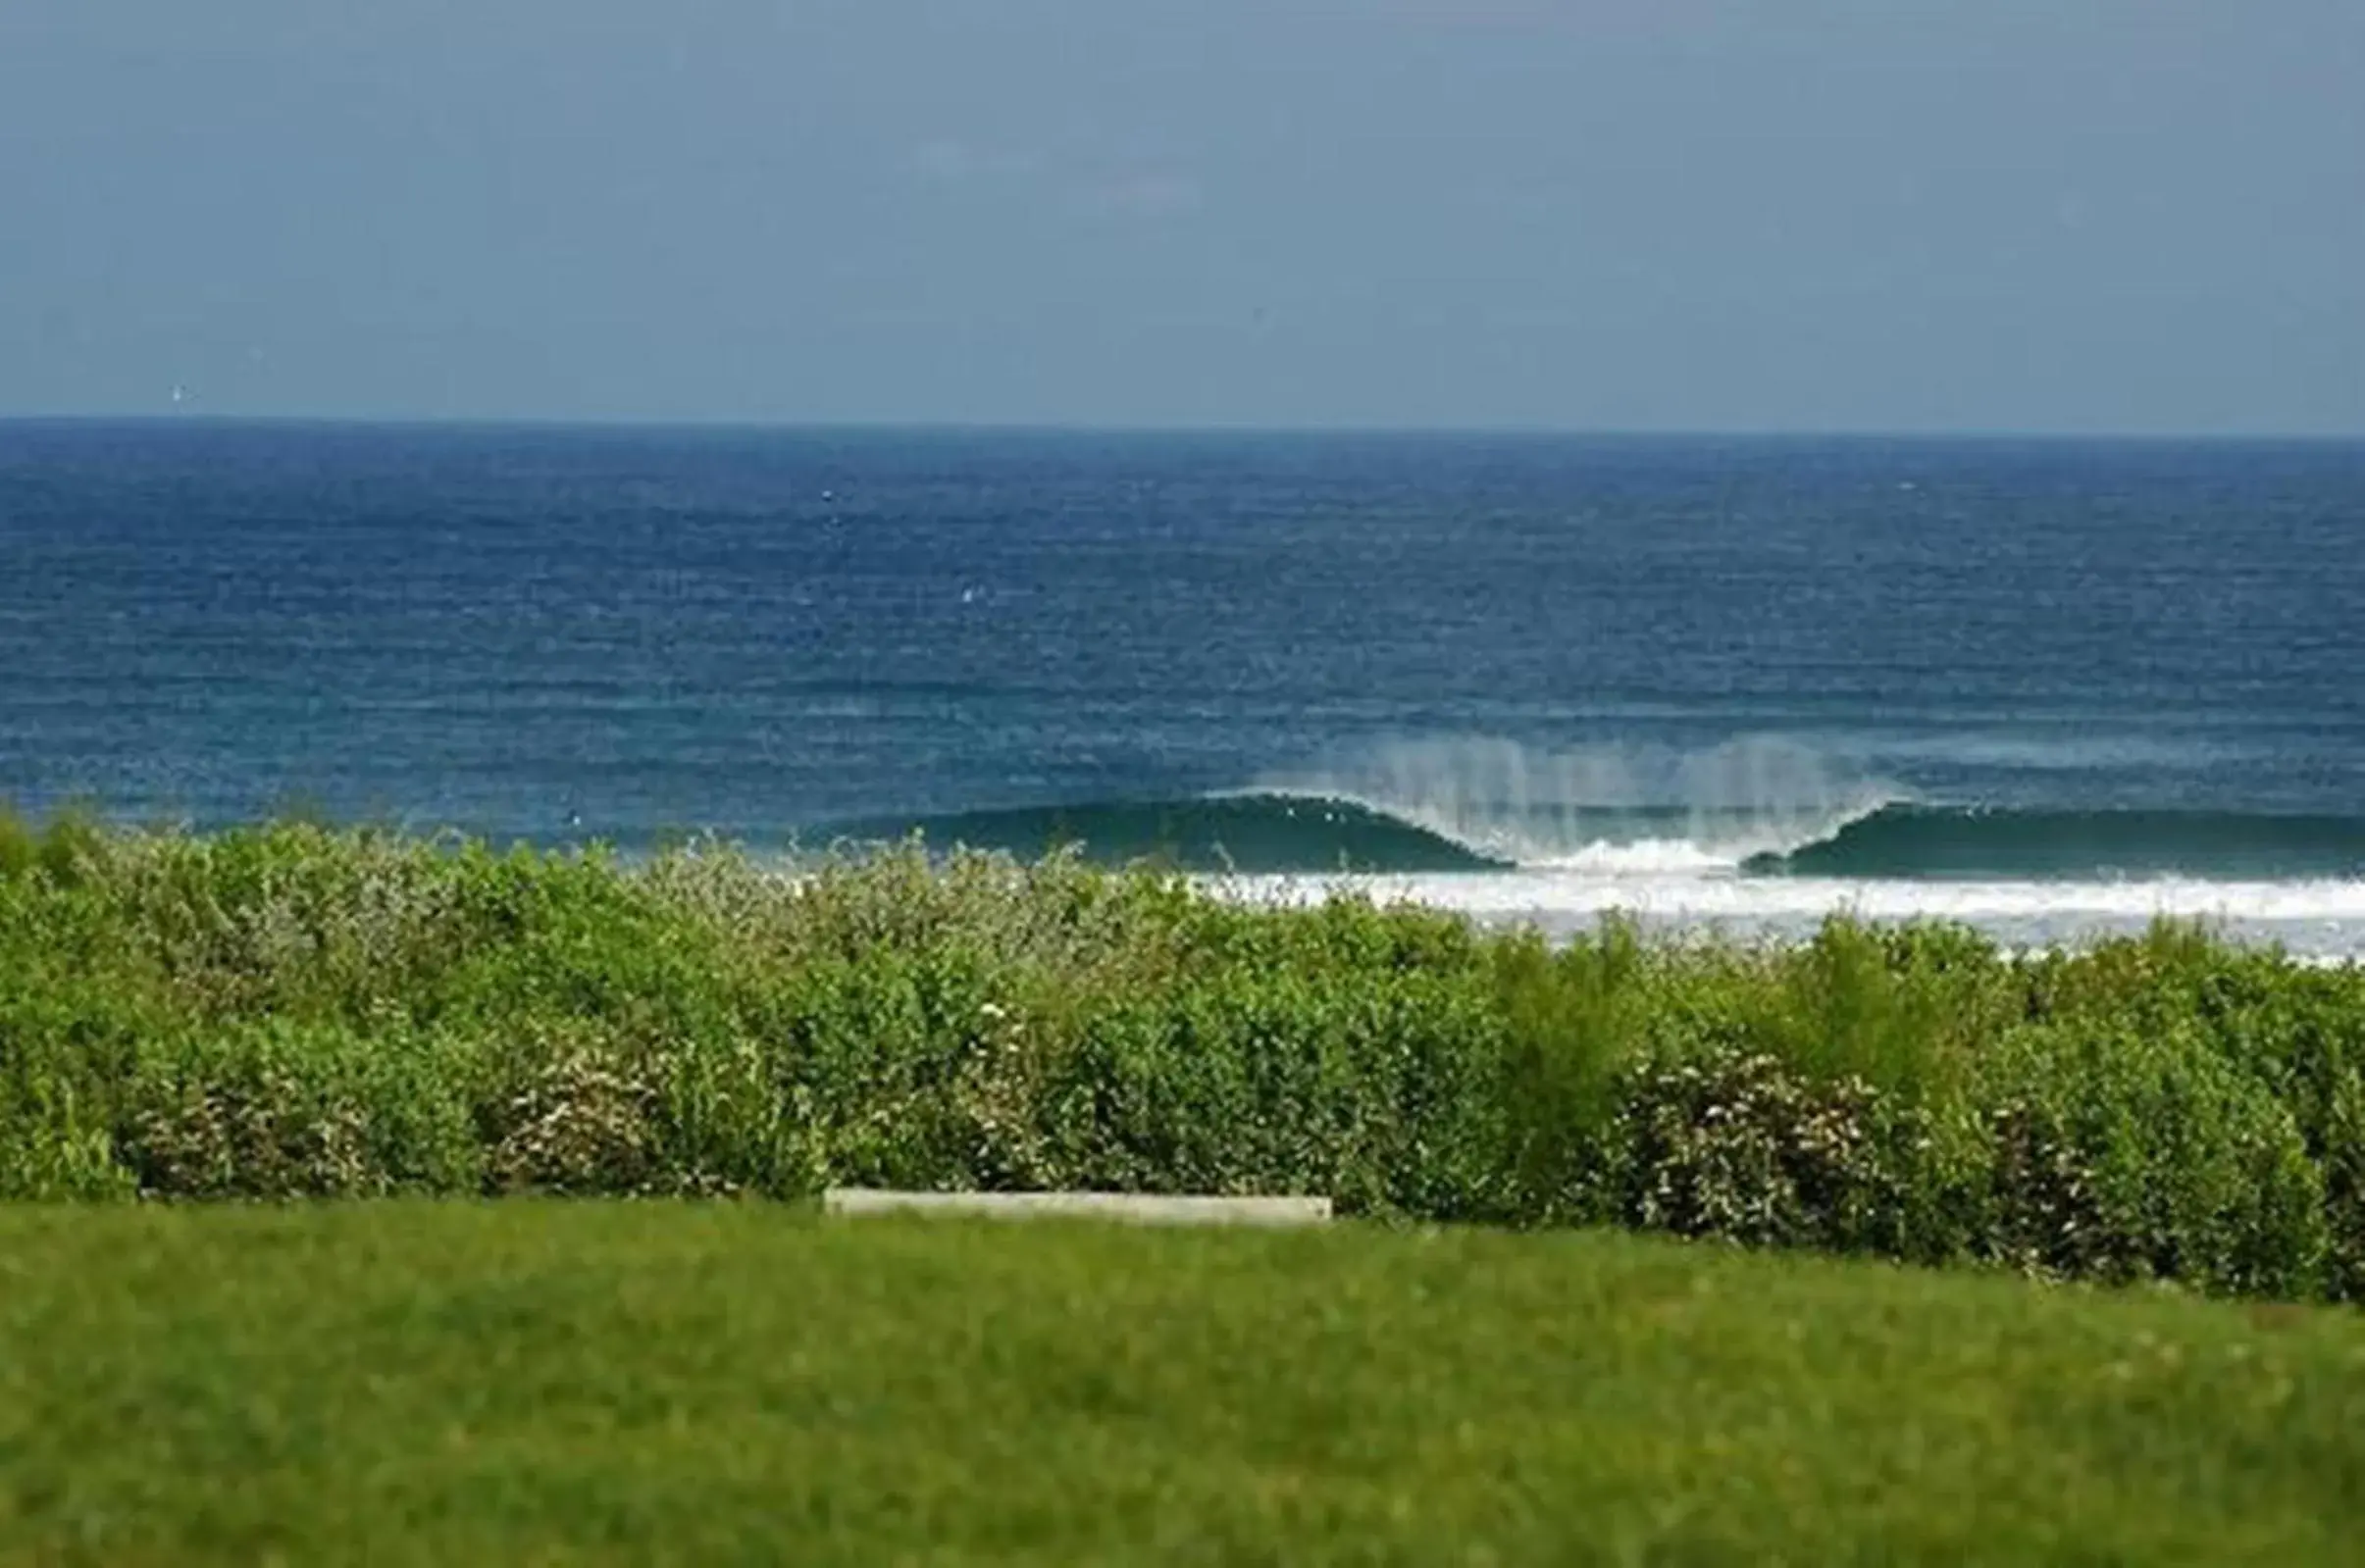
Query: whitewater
pixel 2319 919
pixel 1713 842
pixel 1758 837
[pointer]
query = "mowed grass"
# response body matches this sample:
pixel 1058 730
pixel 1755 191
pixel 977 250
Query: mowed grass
pixel 530 1381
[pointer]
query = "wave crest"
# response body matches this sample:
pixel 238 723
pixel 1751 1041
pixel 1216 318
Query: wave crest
pixel 1613 809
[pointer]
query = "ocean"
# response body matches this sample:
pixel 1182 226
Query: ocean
pixel 2053 688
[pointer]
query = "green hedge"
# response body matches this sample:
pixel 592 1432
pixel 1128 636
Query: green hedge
pixel 292 1011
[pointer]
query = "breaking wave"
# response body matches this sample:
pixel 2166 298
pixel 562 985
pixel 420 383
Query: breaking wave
pixel 1269 831
pixel 1750 836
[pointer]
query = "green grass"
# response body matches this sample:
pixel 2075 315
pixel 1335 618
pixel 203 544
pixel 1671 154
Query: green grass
pixel 293 1011
pixel 539 1382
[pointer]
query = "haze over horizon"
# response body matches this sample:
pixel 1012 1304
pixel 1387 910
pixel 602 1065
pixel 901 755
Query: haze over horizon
pixel 2108 218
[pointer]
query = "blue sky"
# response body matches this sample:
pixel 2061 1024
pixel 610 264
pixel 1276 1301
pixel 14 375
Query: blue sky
pixel 2084 216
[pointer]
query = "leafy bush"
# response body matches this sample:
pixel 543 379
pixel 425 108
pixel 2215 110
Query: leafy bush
pixel 2122 1155
pixel 274 1108
pixel 293 1011
pixel 1739 1147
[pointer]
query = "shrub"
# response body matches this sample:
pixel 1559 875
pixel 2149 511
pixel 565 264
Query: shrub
pixel 2121 1155
pixel 295 1011
pixel 1736 1147
pixel 275 1109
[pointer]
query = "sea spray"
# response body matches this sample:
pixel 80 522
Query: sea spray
pixel 1610 808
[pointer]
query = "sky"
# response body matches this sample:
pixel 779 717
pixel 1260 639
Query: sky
pixel 2076 216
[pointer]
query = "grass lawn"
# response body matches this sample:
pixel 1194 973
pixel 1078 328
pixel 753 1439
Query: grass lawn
pixel 528 1380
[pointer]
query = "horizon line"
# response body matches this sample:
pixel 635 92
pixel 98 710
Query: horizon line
pixel 1174 428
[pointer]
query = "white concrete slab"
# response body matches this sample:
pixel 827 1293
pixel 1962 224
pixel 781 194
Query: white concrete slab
pixel 1137 1208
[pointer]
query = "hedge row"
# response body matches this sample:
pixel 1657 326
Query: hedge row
pixel 292 1011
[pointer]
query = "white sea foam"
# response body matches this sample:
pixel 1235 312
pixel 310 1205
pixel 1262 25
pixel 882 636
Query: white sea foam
pixel 1645 857
pixel 2325 917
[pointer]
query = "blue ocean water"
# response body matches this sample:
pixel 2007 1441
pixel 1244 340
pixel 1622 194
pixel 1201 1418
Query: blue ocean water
pixel 2028 683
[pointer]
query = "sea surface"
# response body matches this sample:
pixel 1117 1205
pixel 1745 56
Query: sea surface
pixel 2050 687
